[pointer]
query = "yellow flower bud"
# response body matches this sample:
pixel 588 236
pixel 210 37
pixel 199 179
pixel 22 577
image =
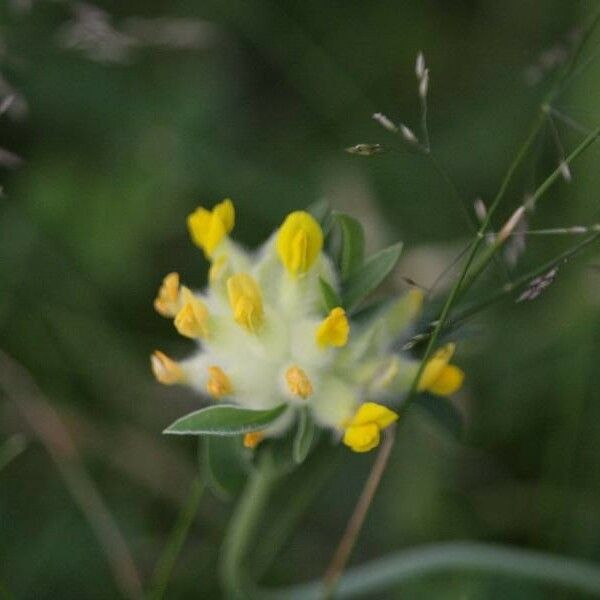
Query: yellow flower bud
pixel 246 301
pixel 167 300
pixel 253 439
pixel 334 329
pixel 298 382
pixel 165 369
pixel 362 431
pixel 299 242
pixel 218 384
pixel 207 228
pixel 439 377
pixel 192 320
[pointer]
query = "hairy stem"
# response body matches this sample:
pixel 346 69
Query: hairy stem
pixel 242 529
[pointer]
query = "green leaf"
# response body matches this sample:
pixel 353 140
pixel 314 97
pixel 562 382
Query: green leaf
pixel 353 244
pixel 443 412
pixel 223 462
pixel 372 272
pixel 319 210
pixel 304 436
pixel 224 420
pixel 330 296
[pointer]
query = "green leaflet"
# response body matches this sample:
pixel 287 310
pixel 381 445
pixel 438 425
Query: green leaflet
pixel 224 420
pixel 304 436
pixel 352 250
pixel 330 296
pixel 369 275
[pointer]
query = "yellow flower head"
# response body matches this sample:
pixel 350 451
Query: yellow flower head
pixel 299 242
pixel 209 227
pixel 218 384
pixel 364 428
pixel 298 382
pixel 192 320
pixel 165 369
pixel 245 300
pixel 334 329
pixel 439 377
pixel 167 300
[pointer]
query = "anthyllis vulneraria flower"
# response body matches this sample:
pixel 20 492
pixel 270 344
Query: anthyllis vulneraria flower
pixel 278 340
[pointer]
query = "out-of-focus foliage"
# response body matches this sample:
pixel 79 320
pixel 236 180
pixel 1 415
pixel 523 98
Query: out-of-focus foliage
pixel 123 132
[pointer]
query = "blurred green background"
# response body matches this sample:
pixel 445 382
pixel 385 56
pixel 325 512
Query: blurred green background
pixel 128 115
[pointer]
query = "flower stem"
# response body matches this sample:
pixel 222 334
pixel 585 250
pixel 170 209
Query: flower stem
pixel 242 528
pixel 166 561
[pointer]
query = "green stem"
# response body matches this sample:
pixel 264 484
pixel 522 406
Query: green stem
pixel 509 288
pixel 491 251
pixel 371 579
pixel 168 558
pixel 242 529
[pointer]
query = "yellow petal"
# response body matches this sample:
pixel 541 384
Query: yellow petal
pixel 218 384
pixel 334 329
pixel 253 439
pixel 165 369
pixel 362 438
pixel 299 242
pixel 449 381
pixel 208 228
pixel 226 213
pixel 167 300
pixel 298 382
pixel 434 367
pixel 245 300
pixel 192 320
pixel 371 412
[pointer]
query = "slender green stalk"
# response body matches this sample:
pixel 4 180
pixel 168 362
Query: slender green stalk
pixel 242 529
pixel 371 579
pixel 168 558
pixel 491 251
pixel 509 288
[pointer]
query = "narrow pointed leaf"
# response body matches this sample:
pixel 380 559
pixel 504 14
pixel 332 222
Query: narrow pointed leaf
pixel 321 211
pixel 353 244
pixel 368 276
pixel 304 436
pixel 224 420
pixel 330 296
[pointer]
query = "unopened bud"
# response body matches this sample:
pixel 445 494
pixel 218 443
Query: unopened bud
pixel 408 134
pixel 424 84
pixel 420 66
pixel 480 210
pixel 385 122
pixel 565 171
pixel 510 225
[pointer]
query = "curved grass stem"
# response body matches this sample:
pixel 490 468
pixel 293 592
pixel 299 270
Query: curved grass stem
pixel 166 562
